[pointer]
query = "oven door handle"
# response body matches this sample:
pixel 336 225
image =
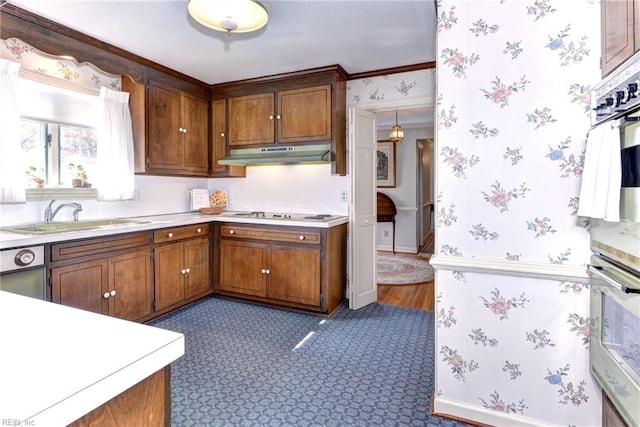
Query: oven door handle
pixel 597 270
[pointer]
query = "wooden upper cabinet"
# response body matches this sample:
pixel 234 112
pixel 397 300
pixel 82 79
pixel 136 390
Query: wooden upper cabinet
pixel 300 108
pixel 304 114
pixel 288 116
pixel 170 121
pixel 620 32
pixel 177 137
pixel 165 147
pixel 219 142
pixel 196 151
pixel 251 119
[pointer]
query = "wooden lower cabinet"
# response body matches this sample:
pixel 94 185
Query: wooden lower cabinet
pixel 135 276
pixel 292 267
pixel 117 284
pixel 273 271
pixel 181 267
pixel 294 274
pixel 241 267
pixel 610 416
pixel 146 404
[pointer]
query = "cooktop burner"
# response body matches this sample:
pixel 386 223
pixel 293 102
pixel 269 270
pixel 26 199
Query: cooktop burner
pixel 285 216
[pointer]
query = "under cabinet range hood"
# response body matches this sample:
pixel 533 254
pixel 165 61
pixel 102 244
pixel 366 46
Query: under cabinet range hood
pixel 278 155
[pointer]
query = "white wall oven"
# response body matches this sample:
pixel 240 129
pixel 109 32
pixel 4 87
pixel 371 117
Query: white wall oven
pixel 615 264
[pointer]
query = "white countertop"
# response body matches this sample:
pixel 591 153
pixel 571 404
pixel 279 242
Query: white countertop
pixel 12 240
pixel 58 363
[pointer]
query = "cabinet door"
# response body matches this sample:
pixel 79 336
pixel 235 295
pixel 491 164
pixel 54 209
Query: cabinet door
pixel 304 114
pixel 219 137
pixel 196 256
pixel 617 33
pixel 294 274
pixel 196 145
pixel 165 139
pixel 251 119
pixel 242 267
pixel 130 278
pixel 169 273
pixel 81 285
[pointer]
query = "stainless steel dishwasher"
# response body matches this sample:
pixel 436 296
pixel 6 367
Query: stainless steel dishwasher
pixel 22 271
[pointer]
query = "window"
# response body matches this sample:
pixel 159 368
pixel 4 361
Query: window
pixel 52 145
pixel 51 148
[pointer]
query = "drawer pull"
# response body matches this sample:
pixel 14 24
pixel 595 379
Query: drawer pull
pixel 199 230
pixel 113 293
pixel 170 235
pixel 231 232
pixel 301 237
pixel 106 295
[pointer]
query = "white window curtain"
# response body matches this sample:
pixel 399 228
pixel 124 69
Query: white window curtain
pixel 12 170
pixel 115 180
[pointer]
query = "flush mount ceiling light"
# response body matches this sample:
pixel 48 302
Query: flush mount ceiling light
pixel 397 133
pixel 230 16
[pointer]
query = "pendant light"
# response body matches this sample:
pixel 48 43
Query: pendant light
pixel 397 133
pixel 230 16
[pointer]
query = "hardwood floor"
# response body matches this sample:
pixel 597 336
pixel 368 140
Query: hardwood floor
pixel 420 296
pixel 410 296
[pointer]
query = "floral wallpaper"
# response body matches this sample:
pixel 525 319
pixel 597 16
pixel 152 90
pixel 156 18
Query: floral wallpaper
pixel 63 69
pixel 406 86
pixel 513 92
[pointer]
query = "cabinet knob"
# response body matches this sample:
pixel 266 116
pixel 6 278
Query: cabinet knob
pixel 278 117
pixel 267 271
pixel 199 230
pixel 184 130
pixel 183 271
pixel 271 117
pixel 169 235
pixel 264 271
pixel 106 295
pixel 113 293
pixel 187 270
pixel 301 237
pixel 179 129
pixel 231 232
pixel 222 134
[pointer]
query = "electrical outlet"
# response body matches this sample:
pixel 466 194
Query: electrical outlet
pixel 344 196
pixel 386 233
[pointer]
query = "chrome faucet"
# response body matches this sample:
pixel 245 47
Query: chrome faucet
pixel 49 215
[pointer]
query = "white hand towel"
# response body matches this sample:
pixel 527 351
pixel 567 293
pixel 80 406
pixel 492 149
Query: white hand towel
pixel 601 174
pixel 612 141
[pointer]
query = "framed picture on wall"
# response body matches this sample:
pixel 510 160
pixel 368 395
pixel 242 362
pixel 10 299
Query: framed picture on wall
pixel 386 164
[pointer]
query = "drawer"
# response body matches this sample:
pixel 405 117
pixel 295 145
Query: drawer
pixel 178 233
pixel 98 246
pixel 275 235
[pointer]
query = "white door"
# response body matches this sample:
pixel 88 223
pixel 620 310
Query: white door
pixel 363 289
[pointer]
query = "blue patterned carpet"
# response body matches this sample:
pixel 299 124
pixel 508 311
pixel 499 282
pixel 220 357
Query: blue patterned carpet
pixel 247 365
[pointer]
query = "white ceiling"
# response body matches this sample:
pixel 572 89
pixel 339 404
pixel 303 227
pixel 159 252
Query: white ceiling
pixel 360 35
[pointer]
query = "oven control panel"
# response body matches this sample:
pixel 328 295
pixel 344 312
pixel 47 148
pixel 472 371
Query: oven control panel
pixel 618 94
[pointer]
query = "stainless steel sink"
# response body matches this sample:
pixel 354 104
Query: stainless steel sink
pixel 63 227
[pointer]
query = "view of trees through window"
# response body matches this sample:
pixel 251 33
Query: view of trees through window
pixel 51 148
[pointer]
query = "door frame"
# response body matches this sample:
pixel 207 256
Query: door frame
pixel 388 105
